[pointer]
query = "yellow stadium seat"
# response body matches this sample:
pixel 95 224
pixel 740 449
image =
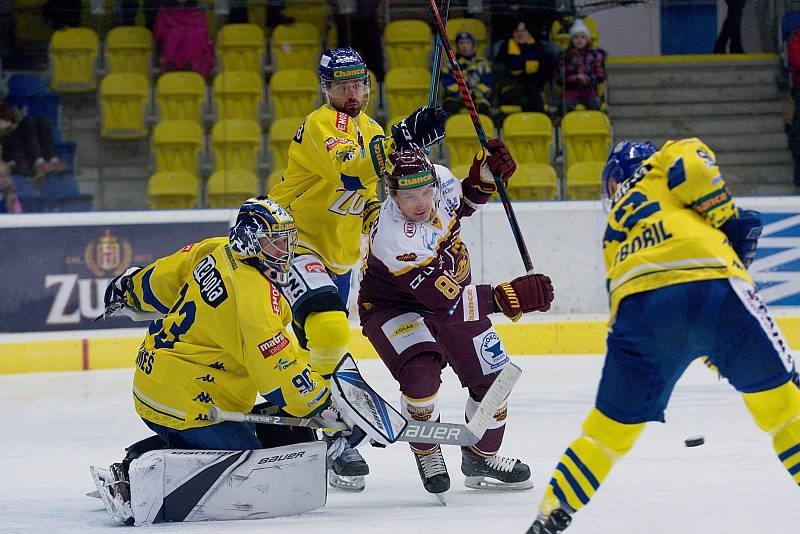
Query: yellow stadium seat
pixel 228 188
pixel 474 26
pixel 235 144
pixel 529 137
pixel 177 145
pixel 172 190
pixel 274 177
pixel 461 140
pixel 408 43
pixel 130 49
pixel 561 35
pixel 293 93
pixel 237 95
pixel 533 181
pixel 241 47
pixel 583 180
pixel 281 133
pixel 73 60
pixel 406 89
pixel 123 104
pixel 586 135
pixel 460 171
pixel 295 46
pixel 181 95
pixel 309 11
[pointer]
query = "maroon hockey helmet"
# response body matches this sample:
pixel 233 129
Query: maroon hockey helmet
pixel 411 168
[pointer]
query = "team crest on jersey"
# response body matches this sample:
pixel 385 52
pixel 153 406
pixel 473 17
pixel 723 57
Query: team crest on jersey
pixel 274 345
pixel 212 289
pixel 409 228
pixel 341 121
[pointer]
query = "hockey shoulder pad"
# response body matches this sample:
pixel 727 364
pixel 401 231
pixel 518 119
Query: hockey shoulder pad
pixel 360 406
pixel 743 233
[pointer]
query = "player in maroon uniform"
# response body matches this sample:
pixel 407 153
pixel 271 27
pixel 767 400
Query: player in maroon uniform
pixel 421 311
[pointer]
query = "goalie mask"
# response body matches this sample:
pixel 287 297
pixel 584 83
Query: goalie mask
pixel 413 185
pixel 622 163
pixel 344 80
pixel 265 234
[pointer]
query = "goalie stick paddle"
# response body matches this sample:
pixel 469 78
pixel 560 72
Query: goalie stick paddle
pixel 415 431
pixel 476 121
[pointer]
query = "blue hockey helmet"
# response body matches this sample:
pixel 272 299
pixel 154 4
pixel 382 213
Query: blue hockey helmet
pixel 343 75
pixel 623 161
pixel 266 234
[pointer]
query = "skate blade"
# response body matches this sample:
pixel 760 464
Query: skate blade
pixel 346 483
pixel 440 498
pixel 118 511
pixel 93 494
pixel 483 483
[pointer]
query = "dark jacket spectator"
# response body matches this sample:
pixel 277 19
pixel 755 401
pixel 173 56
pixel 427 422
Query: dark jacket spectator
pixel 581 69
pixel 526 69
pixel 181 36
pixel 28 145
pixel 477 73
pixel 358 26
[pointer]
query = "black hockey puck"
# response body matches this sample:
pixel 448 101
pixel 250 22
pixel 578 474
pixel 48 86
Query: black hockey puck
pixel 694 441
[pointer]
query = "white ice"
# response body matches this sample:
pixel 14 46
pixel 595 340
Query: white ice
pixel 56 424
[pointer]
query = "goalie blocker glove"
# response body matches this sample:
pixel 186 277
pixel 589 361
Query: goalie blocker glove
pixel 743 232
pixel 421 129
pixel 527 293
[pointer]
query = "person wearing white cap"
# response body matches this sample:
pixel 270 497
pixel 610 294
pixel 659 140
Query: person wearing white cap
pixel 581 69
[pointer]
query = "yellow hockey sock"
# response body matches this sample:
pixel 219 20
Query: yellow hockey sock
pixel 587 461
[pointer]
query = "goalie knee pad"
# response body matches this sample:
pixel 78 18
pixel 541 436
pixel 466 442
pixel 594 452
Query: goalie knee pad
pixel 328 333
pixel 587 461
pixel 777 412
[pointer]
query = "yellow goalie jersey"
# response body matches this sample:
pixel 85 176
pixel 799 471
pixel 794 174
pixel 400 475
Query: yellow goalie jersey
pixel 221 342
pixel 329 179
pixel 663 225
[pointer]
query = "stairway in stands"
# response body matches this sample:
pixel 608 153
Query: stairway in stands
pixel 733 103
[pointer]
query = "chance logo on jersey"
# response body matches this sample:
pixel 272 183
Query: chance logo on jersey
pixel 274 345
pixel 212 289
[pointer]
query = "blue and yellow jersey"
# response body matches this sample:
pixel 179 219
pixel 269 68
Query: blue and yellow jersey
pixel 663 228
pixel 222 340
pixel 329 178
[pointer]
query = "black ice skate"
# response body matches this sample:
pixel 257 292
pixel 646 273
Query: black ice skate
pixel 433 471
pixel 346 466
pixel 115 491
pixel 556 522
pixel 494 472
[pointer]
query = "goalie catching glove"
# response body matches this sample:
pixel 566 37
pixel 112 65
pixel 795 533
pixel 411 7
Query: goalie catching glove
pixel 531 292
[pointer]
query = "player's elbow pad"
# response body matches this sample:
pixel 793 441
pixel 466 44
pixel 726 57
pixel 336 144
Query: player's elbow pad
pixel 743 233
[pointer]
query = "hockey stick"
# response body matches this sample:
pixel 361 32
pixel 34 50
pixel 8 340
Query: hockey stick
pixel 476 121
pixel 416 431
pixel 437 57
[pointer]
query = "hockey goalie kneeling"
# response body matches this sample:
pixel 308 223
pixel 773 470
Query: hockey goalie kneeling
pixel 207 485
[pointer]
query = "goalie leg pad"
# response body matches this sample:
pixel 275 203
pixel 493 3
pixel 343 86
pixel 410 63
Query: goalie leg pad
pixel 208 485
pixel 328 333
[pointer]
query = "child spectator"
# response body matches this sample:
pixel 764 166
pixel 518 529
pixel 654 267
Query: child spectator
pixel 181 36
pixel 477 74
pixel 525 70
pixel 9 203
pixel 581 69
pixel 28 144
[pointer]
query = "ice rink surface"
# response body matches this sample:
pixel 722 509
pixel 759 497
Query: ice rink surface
pixel 56 424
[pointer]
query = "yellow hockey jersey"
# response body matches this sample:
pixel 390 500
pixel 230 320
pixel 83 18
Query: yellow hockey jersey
pixel 221 342
pixel 329 178
pixel 663 227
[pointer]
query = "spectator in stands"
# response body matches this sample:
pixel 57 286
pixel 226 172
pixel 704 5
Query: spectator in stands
pixel 181 36
pixel 60 14
pixel 581 69
pixel 124 12
pixel 9 203
pixel 792 115
pixel 477 73
pixel 357 26
pixel 274 13
pixel 525 69
pixel 731 30
pixel 28 144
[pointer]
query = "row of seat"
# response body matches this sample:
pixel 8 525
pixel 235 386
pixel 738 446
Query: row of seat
pixel 584 135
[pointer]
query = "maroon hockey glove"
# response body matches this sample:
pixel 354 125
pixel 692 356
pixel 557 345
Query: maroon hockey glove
pixel 498 162
pixel 531 292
